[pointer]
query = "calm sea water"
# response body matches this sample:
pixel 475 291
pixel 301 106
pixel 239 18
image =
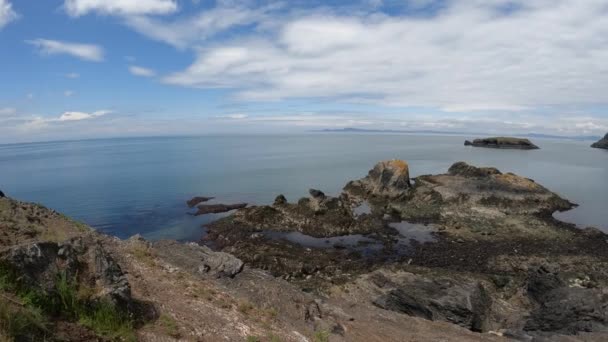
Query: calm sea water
pixel 140 185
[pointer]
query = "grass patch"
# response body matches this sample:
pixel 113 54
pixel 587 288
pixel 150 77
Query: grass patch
pixel 67 301
pixel 169 326
pixel 253 339
pixel 245 307
pixel 321 336
pixel 19 323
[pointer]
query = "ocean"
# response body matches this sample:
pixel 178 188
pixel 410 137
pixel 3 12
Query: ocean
pixel 130 186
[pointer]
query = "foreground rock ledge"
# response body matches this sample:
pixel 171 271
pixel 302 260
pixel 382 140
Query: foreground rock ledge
pixel 503 143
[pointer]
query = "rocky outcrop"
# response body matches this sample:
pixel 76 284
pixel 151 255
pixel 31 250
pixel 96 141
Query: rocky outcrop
pixel 503 143
pixel 602 143
pixel 2 194
pixel 466 170
pixel 217 208
pixel 82 260
pixel 387 179
pixel 194 201
pixel 465 303
pixel 198 259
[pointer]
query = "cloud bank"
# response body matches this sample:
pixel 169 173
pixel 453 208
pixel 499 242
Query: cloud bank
pixel 76 8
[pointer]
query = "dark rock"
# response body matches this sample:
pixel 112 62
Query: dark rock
pixel 316 194
pixel 463 303
pixel 198 200
pixel 2 194
pixel 602 143
pixel 280 200
pixel 198 259
pixel 218 208
pixel 503 142
pixel 466 170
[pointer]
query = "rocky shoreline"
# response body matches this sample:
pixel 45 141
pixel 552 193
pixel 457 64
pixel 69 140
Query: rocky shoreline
pixel 470 255
pixel 602 143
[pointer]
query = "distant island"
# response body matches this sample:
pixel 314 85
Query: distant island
pixel 389 131
pixel 602 143
pixel 503 143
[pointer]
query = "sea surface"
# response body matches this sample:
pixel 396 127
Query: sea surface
pixel 140 185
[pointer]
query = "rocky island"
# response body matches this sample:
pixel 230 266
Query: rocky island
pixel 602 143
pixel 473 254
pixel 503 142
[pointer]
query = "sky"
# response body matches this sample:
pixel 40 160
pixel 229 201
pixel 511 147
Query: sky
pixel 74 69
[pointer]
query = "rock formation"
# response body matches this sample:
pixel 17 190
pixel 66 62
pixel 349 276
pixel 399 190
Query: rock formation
pixel 203 209
pixel 194 201
pixel 387 179
pixel 503 142
pixel 602 143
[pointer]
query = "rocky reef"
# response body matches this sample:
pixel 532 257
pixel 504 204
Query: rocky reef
pixel 503 142
pixel 602 143
pixel 498 261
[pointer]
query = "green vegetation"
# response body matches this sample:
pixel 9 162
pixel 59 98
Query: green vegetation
pixel 321 336
pixel 253 339
pixel 25 316
pixel 169 326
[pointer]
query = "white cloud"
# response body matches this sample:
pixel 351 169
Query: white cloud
pixel 184 32
pixel 88 52
pixel 72 75
pixel 7 14
pixel 78 116
pixel 471 55
pixel 7 111
pixel 78 8
pixel 237 116
pixel 68 93
pixel 141 71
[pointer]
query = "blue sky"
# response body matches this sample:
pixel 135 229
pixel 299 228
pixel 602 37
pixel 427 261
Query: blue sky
pixel 101 68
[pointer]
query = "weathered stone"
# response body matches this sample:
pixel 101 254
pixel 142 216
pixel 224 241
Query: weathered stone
pixel 198 259
pixel 466 170
pixel 387 179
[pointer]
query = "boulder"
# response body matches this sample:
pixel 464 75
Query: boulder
pixel 280 200
pixel 602 143
pixel 389 178
pixel 2 194
pixel 198 259
pixel 502 143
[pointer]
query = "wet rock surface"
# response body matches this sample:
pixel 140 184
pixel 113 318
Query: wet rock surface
pixel 503 142
pixel 602 143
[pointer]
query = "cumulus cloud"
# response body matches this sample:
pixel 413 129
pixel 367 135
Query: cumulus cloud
pixel 470 55
pixel 7 14
pixel 78 116
pixel 78 8
pixel 183 32
pixel 141 71
pixel 88 52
